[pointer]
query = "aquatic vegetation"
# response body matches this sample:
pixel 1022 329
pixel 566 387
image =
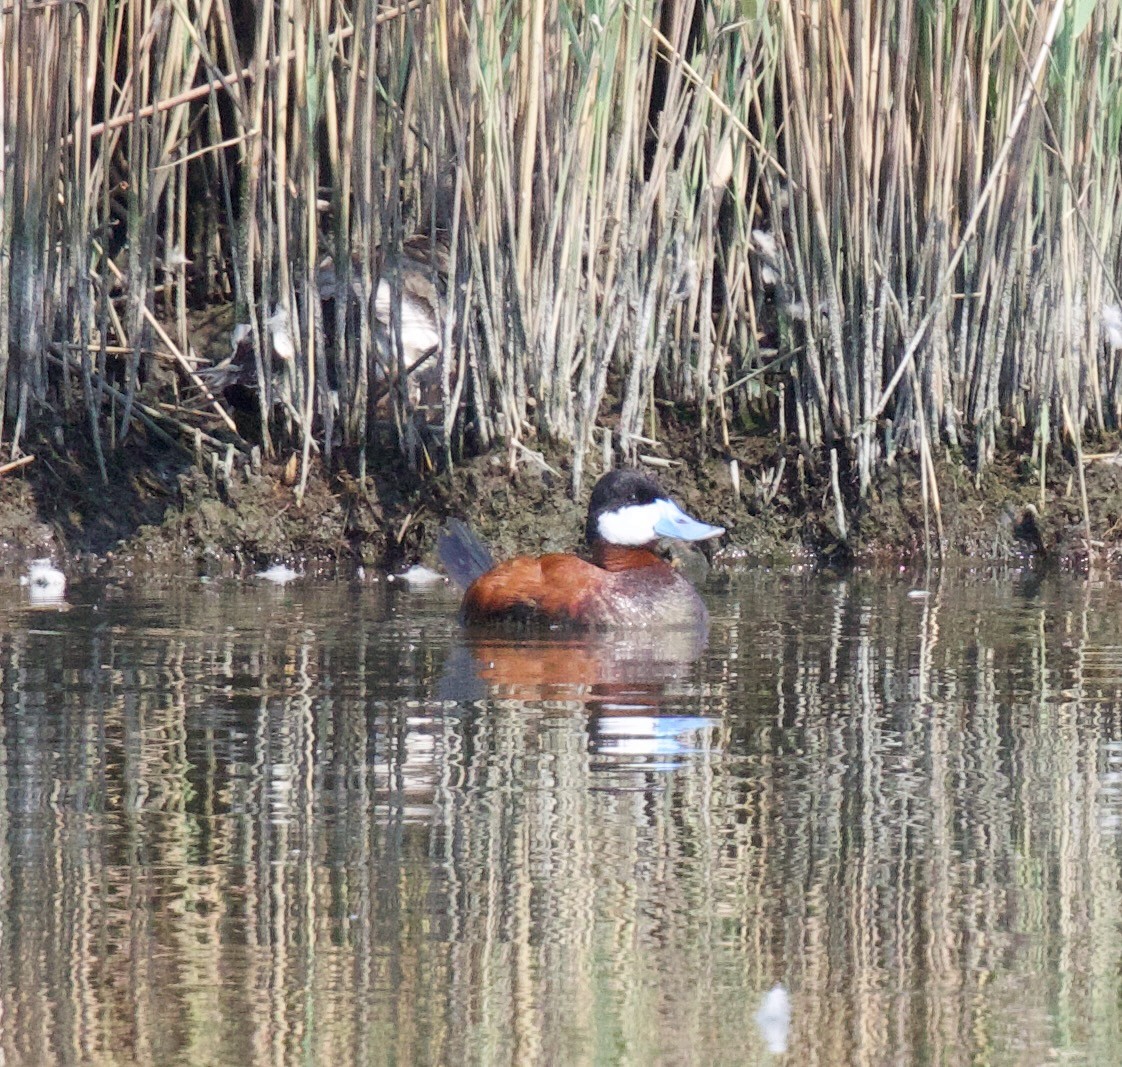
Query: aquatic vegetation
pixel 874 232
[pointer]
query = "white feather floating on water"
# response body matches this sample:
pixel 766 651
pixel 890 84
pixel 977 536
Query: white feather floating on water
pixel 418 575
pixel 45 582
pixel 278 574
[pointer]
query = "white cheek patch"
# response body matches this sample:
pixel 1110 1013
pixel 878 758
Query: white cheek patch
pixel 632 525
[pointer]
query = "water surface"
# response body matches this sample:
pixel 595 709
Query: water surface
pixel 317 824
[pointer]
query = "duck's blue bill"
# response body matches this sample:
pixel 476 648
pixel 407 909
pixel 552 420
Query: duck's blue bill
pixel 674 522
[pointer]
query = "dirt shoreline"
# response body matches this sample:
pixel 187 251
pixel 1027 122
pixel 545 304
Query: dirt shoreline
pixel 161 512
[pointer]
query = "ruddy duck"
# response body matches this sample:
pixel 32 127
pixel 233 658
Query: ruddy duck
pixel 625 583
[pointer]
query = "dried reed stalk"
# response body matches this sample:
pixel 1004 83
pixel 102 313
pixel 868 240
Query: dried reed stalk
pixel 881 229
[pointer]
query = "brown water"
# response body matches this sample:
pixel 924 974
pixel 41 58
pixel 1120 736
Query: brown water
pixel 247 825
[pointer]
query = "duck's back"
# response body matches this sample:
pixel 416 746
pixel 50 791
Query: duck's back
pixel 565 590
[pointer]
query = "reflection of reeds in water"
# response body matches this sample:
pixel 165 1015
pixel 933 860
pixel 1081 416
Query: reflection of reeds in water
pixel 230 841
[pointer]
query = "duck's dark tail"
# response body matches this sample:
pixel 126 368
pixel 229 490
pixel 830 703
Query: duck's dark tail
pixel 464 556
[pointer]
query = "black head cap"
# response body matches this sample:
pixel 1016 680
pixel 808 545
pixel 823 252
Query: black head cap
pixel 618 489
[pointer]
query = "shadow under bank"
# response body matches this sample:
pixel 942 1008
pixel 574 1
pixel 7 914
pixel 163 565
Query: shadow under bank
pixel 160 510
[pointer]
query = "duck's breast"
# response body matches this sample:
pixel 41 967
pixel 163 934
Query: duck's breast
pixel 651 597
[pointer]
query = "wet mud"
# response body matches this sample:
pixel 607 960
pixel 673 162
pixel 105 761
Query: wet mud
pixel 161 510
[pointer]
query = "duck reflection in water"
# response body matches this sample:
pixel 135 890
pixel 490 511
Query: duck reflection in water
pixel 630 684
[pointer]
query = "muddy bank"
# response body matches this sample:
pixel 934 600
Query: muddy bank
pixel 161 511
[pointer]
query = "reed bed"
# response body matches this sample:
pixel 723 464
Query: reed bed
pixel 879 230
